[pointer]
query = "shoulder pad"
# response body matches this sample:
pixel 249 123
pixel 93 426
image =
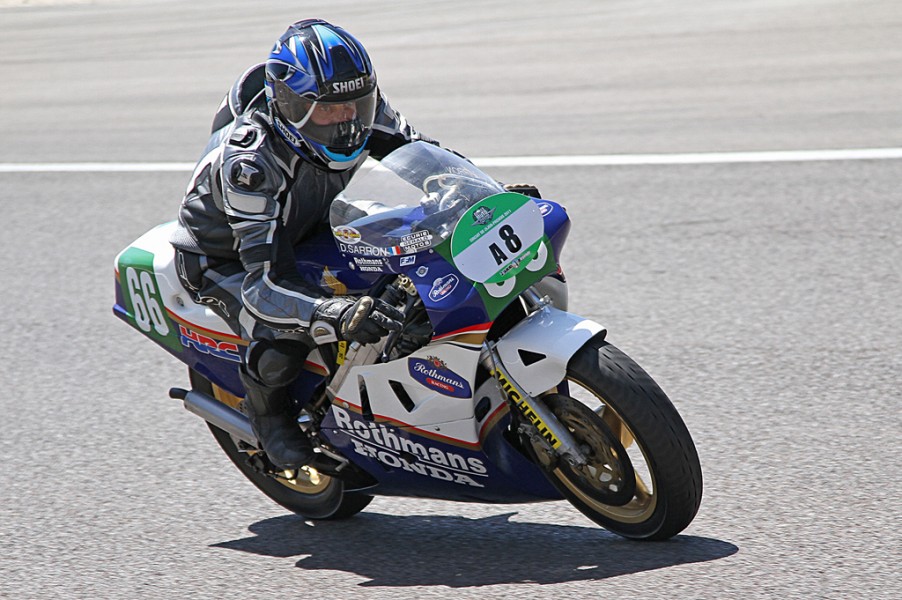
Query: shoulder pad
pixel 251 169
pixel 243 136
pixel 246 173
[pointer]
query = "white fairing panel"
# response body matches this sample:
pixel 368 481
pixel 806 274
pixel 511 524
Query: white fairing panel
pixel 437 383
pixel 537 350
pixel 177 302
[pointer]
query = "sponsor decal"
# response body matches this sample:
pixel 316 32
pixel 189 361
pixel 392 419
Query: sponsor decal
pixel 283 129
pixel 406 261
pixel 333 283
pixel 346 234
pixel 435 374
pixel 207 345
pixel 545 208
pixel 369 265
pixel 521 400
pixel 443 287
pixel 515 264
pixel 416 241
pixel 422 271
pixel 363 250
pixel 387 445
pixel 344 87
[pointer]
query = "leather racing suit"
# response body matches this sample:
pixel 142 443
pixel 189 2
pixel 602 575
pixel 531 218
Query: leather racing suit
pixel 251 200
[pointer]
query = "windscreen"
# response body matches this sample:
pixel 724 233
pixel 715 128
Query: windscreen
pixel 408 202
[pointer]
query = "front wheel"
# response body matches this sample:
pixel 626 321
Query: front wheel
pixel 637 441
pixel 310 494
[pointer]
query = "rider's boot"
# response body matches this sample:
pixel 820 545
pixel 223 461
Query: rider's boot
pixel 269 410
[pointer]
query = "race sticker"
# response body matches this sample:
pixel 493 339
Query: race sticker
pixel 497 238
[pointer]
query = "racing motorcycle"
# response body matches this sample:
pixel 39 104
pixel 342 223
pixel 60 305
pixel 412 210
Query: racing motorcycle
pixel 492 392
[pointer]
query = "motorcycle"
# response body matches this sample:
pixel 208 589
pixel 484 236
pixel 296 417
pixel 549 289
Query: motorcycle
pixel 492 392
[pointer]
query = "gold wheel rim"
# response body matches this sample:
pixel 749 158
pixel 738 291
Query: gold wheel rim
pixel 644 501
pixel 305 480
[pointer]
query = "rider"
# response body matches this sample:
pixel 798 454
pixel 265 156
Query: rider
pixel 286 140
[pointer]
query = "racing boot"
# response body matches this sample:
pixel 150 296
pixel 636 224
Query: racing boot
pixel 269 410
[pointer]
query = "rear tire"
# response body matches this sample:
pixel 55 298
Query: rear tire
pixel 312 495
pixel 668 476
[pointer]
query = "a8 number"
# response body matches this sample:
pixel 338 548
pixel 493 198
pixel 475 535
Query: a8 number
pixel 510 239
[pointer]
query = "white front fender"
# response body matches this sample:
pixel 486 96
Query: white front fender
pixel 536 351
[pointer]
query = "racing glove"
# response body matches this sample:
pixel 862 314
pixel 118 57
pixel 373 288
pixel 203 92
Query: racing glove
pixel 523 188
pixel 365 319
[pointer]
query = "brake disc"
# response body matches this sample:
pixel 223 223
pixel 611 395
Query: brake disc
pixel 608 476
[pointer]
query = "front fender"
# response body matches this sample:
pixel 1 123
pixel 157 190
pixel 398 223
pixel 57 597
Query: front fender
pixel 536 351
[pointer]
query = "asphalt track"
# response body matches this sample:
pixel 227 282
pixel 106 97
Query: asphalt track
pixel 764 296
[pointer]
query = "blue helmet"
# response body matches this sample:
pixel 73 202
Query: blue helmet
pixel 321 92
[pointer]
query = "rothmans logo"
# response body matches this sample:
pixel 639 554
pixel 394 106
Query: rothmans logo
pixel 435 374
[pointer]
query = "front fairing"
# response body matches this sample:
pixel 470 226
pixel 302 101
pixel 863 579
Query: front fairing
pixel 428 213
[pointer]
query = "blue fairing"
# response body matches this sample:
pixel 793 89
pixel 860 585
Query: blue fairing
pixel 450 300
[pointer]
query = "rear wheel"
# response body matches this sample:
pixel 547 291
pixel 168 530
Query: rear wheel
pixel 643 480
pixel 306 492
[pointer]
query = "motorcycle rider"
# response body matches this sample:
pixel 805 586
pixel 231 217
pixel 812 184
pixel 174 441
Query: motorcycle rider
pixel 286 140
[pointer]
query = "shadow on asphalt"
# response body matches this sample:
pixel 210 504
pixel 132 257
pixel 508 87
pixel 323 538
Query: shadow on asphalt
pixel 392 550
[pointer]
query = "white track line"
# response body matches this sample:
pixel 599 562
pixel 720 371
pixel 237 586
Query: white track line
pixel 697 158
pixel 597 160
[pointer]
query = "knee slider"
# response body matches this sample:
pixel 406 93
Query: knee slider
pixel 276 363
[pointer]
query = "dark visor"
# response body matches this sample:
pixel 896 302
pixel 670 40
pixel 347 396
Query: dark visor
pixel 335 124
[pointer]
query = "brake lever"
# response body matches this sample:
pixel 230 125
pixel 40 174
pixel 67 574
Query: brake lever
pixel 392 338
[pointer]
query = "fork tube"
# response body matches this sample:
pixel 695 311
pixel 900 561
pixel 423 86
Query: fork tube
pixel 533 410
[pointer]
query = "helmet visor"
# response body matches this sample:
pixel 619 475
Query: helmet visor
pixel 338 125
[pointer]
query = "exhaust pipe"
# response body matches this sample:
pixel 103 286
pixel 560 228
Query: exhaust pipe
pixel 215 412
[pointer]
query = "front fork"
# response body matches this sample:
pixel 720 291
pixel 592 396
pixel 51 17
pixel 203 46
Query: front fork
pixel 540 423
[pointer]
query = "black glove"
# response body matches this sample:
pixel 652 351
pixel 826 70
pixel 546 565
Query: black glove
pixel 523 188
pixel 365 320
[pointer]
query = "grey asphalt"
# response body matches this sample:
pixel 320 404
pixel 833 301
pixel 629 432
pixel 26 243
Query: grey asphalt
pixel 765 298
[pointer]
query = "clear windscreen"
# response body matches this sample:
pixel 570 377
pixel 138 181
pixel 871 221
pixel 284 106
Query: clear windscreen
pixel 410 201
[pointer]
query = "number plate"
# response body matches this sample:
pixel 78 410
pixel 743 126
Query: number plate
pixel 143 301
pixel 497 238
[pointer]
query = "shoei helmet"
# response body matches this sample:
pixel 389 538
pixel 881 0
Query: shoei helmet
pixel 321 92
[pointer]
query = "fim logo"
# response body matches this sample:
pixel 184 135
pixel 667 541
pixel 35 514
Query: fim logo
pixel 206 345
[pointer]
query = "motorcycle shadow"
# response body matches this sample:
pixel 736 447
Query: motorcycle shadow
pixel 417 550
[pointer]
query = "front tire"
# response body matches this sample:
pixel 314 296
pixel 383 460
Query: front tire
pixel 310 494
pixel 667 488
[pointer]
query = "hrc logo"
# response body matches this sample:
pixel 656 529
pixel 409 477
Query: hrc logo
pixel 207 345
